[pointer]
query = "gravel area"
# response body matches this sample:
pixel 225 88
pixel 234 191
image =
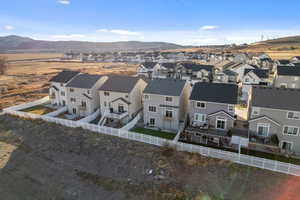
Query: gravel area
pixel 40 160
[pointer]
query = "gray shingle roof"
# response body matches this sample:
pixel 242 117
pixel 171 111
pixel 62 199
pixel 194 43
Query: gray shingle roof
pixel 168 87
pixel 86 81
pixel 228 72
pixel 120 84
pixel 168 65
pixel 197 67
pixel 261 73
pixel 215 92
pixel 64 76
pixel 148 65
pixel 276 98
pixel 288 70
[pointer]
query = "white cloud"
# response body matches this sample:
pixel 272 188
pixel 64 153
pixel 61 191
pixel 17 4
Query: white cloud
pixel 8 27
pixel 119 32
pixel 65 2
pixel 70 36
pixel 209 27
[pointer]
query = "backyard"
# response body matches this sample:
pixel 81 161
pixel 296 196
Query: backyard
pixel 39 110
pixel 157 133
pixel 42 161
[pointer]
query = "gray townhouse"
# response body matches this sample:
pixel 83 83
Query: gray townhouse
pixel 275 112
pixel 57 90
pixel 147 69
pixel 82 94
pixel 226 76
pixel 287 77
pixel 194 72
pixel 121 98
pixel 211 113
pixel 165 103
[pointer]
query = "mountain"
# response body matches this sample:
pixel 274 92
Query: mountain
pixel 13 43
pixel 280 48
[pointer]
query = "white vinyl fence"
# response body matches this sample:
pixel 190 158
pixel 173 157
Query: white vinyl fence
pixel 205 151
pixel 28 105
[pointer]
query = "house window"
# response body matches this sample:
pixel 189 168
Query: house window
pixel 201 105
pixel 152 122
pixel 152 108
pixel 293 115
pixel 74 110
pixel 169 114
pixel 105 103
pixel 247 80
pixel 290 130
pixel 169 99
pixel 287 145
pixel 73 99
pixel 221 123
pixel 283 85
pixel 83 104
pixel 263 129
pixel 71 90
pixel 121 108
pixel 106 93
pixel 146 96
pixel 62 93
pixel 230 108
pixel 88 91
pixel 200 117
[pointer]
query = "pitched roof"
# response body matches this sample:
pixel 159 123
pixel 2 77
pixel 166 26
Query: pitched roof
pixel 197 67
pixel 168 87
pixel 84 81
pixel 64 76
pixel 261 73
pixel 120 83
pixel 148 65
pixel 264 117
pixel 288 70
pixel 228 72
pixel 284 61
pixel 215 92
pixel 276 98
pixel 168 65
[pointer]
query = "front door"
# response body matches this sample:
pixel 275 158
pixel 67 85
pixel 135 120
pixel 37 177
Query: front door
pixel 121 108
pixel 221 124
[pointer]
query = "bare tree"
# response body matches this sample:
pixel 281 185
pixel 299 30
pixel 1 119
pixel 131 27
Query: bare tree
pixel 3 65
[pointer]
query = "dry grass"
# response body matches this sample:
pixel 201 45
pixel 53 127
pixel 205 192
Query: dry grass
pixel 39 110
pixel 22 56
pixel 28 81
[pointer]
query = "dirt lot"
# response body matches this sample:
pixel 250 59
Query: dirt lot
pixel 28 81
pixel 47 161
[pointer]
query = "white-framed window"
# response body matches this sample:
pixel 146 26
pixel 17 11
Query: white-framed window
pixel 283 85
pixel 290 130
pixel 169 113
pixel 88 91
pixel 152 108
pixel 106 93
pixel 247 80
pixel 71 90
pixel 62 93
pixel 169 99
pixel 105 103
pixel 152 121
pixel 83 104
pixel 73 99
pixel 200 104
pixel 287 145
pixel 255 111
pixel 199 117
pixel 293 115
pixel 230 108
pixel 146 96
pixel 220 123
pixel 263 129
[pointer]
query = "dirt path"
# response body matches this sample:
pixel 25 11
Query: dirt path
pixel 48 161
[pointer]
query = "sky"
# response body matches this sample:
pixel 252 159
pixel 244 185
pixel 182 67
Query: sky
pixel 185 22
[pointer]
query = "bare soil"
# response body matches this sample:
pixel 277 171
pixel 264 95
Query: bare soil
pixel 40 160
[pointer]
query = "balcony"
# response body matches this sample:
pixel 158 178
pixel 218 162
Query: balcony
pixel 116 115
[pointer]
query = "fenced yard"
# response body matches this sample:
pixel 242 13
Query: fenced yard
pixel 253 161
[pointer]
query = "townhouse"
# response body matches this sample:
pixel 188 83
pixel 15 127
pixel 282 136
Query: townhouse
pixel 165 103
pixel 147 69
pixel 121 98
pixel 287 77
pixel 82 94
pixel 275 113
pixel 195 72
pixel 254 77
pixel 211 113
pixel 226 76
pixel 57 90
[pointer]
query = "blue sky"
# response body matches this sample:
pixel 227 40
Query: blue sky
pixel 191 22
